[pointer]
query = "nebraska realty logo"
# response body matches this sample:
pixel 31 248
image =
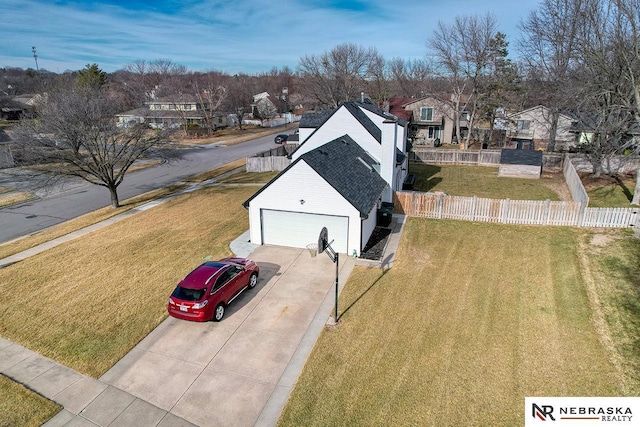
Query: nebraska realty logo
pixel 582 411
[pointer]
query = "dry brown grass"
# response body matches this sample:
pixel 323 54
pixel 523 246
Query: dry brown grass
pixel 497 313
pixel 9 199
pixel 22 407
pixel 99 295
pixel 48 234
pixel 218 171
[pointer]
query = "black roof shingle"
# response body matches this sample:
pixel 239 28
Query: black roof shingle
pixel 350 171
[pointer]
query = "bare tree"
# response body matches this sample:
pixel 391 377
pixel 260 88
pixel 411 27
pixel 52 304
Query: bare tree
pixel 240 89
pixel 76 135
pixel 549 45
pixel 636 192
pixel 408 77
pixel 211 93
pixel 462 52
pixel 609 77
pixel 337 75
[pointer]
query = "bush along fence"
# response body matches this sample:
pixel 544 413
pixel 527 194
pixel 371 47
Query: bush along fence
pixel 506 211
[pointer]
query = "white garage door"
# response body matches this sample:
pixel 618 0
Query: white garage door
pixel 298 229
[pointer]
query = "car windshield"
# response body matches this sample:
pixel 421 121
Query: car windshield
pixel 186 294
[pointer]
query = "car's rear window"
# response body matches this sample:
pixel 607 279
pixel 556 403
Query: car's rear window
pixel 188 294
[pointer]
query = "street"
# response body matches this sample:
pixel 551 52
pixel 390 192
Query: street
pixel 79 198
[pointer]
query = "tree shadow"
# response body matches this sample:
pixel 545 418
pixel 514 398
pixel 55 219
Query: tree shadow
pixel 628 194
pixel 425 176
pixel 363 293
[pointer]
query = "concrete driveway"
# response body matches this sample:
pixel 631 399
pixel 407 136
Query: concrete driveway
pixel 240 371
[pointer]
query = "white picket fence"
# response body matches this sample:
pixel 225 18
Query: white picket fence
pixel 506 211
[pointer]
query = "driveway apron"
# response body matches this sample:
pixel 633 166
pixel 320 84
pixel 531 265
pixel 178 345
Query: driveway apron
pixel 224 373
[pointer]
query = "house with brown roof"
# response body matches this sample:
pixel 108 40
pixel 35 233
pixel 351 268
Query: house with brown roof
pixel 431 119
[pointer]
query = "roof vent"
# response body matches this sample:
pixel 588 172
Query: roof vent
pixel 365 163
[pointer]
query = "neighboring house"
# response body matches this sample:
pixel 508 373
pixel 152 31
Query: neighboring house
pixel 531 128
pixel 15 108
pixel 431 119
pixel 585 125
pixel 173 112
pixel 347 163
pixel 264 106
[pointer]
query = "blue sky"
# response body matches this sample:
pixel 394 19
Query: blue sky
pixel 234 36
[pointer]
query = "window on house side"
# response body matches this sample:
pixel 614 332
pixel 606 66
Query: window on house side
pixel 524 124
pixel 426 113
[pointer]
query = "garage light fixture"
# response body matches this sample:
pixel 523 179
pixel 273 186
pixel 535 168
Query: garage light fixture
pixel 302 201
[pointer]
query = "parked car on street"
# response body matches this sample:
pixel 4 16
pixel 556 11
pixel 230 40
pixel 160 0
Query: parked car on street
pixel 205 293
pixel 281 138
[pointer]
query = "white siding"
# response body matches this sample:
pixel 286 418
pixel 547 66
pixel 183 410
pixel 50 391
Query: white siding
pixel 368 225
pixel 297 229
pixel 339 124
pixel 302 183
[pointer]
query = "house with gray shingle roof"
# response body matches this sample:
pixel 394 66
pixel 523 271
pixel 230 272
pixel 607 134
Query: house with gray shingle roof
pixel 349 161
pixel 335 186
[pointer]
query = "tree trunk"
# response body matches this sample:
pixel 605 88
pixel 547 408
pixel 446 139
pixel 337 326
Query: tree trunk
pixel 115 203
pixel 636 193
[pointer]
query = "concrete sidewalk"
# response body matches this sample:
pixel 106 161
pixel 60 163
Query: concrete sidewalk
pixel 86 401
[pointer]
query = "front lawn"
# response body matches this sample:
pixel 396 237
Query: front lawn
pixel 87 302
pixel 471 319
pixel 481 181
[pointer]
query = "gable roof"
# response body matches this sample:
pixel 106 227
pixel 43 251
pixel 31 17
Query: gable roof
pixel 344 165
pixel 396 107
pixel 541 107
pixel 315 120
pixel 365 121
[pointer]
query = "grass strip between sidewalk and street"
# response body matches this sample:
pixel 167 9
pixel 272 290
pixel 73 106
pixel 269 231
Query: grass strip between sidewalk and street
pixel 471 319
pixel 22 407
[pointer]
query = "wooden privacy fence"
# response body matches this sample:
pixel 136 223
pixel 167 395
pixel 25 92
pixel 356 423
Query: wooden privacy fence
pixel 271 160
pixel 550 161
pixel 577 190
pixel 506 211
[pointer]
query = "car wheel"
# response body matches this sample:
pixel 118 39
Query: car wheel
pixel 218 313
pixel 253 280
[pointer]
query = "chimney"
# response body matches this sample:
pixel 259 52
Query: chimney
pixel 388 166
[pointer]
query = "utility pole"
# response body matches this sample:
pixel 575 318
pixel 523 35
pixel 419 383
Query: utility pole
pixel 35 57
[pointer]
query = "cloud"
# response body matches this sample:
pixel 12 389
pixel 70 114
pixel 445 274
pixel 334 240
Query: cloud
pixel 248 36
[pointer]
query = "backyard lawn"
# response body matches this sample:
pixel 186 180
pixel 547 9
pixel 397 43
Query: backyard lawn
pixel 470 320
pixel 483 181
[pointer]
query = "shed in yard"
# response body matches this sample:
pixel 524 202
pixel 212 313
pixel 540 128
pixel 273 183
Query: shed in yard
pixel 520 163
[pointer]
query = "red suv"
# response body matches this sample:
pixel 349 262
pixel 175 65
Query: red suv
pixel 205 293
